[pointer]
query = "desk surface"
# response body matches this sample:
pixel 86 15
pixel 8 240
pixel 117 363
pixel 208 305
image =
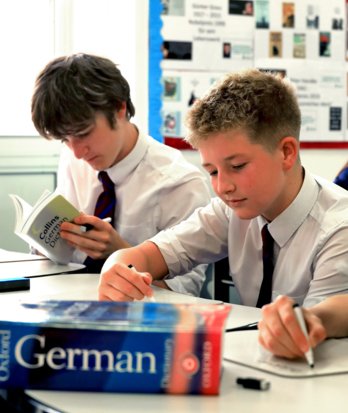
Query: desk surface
pixel 286 395
pixel 18 264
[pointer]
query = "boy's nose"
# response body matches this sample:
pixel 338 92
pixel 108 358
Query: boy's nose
pixel 79 148
pixel 224 185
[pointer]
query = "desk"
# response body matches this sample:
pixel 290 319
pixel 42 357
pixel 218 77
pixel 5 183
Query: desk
pixel 17 264
pixel 285 395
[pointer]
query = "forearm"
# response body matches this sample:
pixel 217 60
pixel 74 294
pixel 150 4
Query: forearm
pixel 118 242
pixel 333 313
pixel 145 257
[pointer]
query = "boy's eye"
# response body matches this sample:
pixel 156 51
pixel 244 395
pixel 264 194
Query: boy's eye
pixel 212 173
pixel 82 135
pixel 239 166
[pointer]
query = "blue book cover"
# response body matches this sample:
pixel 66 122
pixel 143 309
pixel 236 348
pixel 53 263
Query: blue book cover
pixel 112 346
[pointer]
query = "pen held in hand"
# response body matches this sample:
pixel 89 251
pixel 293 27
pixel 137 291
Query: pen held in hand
pixel 299 316
pixel 88 227
pixel 152 298
pixel 245 327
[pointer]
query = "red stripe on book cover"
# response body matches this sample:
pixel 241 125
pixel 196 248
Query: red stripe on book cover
pixel 213 350
pixel 185 362
pixel 198 351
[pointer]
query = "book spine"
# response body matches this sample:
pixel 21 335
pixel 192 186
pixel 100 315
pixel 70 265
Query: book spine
pixel 197 355
pixel 59 358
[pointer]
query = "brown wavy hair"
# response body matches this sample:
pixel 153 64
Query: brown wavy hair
pixel 70 90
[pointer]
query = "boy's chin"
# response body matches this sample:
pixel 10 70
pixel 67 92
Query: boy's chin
pixel 245 214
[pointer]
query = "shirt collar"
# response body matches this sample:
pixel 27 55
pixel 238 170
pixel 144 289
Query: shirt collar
pixel 123 168
pixel 284 226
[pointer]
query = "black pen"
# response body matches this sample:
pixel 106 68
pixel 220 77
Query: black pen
pixel 152 298
pixel 88 227
pixel 245 327
pixel 253 383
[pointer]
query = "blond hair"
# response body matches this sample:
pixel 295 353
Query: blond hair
pixel 259 103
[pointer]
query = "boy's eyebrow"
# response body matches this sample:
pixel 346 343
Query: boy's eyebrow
pixel 228 158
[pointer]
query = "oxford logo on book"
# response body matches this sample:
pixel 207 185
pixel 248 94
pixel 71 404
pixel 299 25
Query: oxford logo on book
pixel 5 337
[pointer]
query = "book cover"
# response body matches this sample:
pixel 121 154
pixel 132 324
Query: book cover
pixel 288 14
pixel 100 346
pixel 275 44
pixel 299 45
pixel 39 225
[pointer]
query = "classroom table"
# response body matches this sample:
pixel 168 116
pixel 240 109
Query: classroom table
pixel 287 395
pixel 19 264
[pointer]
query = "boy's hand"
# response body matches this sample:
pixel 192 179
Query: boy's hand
pixel 280 333
pixel 121 283
pixel 98 242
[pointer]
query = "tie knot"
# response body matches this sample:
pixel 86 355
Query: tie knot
pixel 106 181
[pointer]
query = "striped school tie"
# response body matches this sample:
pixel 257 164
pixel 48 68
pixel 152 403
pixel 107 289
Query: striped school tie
pixel 105 207
pixel 106 202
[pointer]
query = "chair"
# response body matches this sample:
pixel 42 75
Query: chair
pixel 224 289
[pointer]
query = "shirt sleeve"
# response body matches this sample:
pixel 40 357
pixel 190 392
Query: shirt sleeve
pixel 189 283
pixel 200 239
pixel 179 202
pixel 330 275
pixel 65 186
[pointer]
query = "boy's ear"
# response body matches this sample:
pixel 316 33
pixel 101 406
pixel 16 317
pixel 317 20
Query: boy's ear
pixel 121 113
pixel 289 147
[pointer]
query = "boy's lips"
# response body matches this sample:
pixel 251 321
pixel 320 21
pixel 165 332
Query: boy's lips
pixel 235 202
pixel 93 158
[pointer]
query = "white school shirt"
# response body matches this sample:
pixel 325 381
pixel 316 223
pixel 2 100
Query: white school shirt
pixel 155 189
pixel 311 244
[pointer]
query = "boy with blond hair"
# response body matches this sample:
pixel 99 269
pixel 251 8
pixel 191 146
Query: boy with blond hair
pixel 246 129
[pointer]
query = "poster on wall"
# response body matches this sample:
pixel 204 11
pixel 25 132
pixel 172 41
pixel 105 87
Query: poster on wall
pixel 304 40
pixel 214 38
